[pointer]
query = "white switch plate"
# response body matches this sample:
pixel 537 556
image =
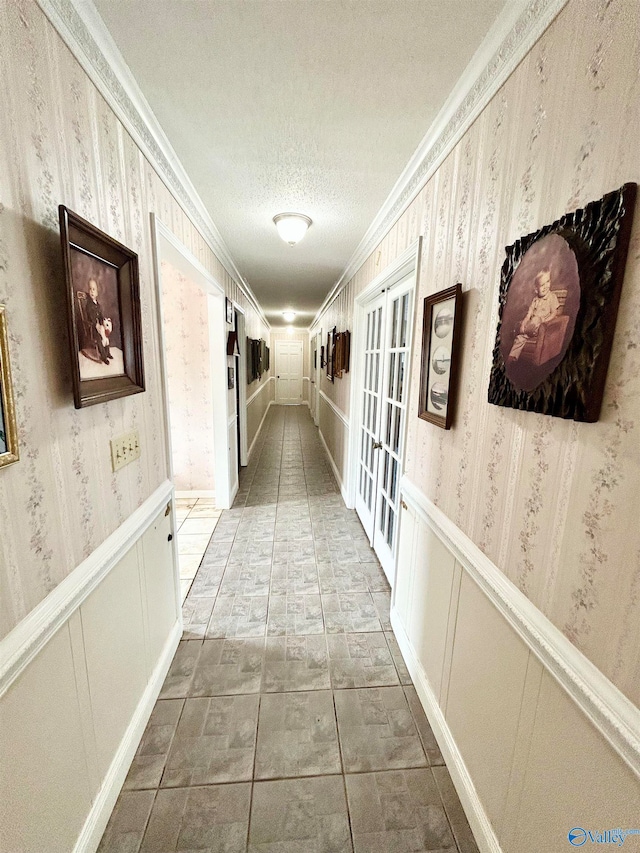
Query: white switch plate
pixel 125 449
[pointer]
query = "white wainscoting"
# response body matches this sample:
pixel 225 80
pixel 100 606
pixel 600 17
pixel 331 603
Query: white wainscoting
pixel 536 738
pixel 78 680
pixel 333 428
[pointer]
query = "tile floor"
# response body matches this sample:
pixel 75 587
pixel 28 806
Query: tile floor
pixel 196 519
pixel 288 722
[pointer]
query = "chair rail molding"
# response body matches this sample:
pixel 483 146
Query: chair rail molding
pixel 615 716
pixel 337 411
pixel 509 40
pixel 23 643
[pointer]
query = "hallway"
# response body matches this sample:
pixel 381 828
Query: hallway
pixel 288 722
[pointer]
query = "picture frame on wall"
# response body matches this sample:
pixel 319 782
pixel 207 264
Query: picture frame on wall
pixel 440 355
pixel 103 313
pixel 559 294
pixel 9 451
pixel 228 307
pixel 231 383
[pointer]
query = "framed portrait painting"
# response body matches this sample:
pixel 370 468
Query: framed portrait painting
pixel 559 294
pixel 103 309
pixel 440 343
pixel 8 429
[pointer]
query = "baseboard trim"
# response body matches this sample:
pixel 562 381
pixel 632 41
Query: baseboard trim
pixel 104 803
pixel 478 820
pixel 259 430
pixel 195 493
pixel 31 634
pixel 608 709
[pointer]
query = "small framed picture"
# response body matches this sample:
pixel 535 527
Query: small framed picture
pixel 103 313
pixel 228 304
pixel 231 382
pixel 439 374
pixel 8 429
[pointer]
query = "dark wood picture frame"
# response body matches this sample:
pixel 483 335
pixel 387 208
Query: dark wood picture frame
pixel 330 354
pixel 562 371
pixel 440 355
pixel 342 353
pixel 78 235
pixel 9 449
pixel 228 308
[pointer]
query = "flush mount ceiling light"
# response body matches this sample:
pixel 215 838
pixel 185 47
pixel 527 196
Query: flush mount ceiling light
pixel 292 226
pixel 289 316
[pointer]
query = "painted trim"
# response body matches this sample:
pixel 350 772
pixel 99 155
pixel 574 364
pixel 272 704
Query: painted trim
pixel 31 634
pixel 103 805
pixel 615 716
pixel 476 815
pixel 84 32
pixel 514 33
pixel 336 410
pixel 334 468
pixel 259 430
pixel 261 388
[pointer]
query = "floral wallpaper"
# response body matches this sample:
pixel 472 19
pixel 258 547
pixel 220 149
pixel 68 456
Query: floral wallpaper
pixel 61 143
pixel 186 337
pixel 553 503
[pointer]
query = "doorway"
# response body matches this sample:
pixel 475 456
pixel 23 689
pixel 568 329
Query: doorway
pixel 384 324
pixel 289 372
pixel 204 451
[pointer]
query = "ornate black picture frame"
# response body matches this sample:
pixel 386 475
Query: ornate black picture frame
pixel 440 355
pixel 228 309
pixel 559 295
pixel 103 312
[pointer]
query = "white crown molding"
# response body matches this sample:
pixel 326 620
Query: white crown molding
pixel 509 40
pixel 615 716
pixel 84 32
pixel 23 643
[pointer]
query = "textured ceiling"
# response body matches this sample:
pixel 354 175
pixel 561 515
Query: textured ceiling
pixel 314 106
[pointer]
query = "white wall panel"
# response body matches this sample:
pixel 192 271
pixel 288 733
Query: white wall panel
pixel 116 654
pixel 45 788
pixel 488 669
pixel 161 605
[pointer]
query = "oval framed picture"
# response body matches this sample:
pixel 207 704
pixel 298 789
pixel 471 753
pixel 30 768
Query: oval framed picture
pixel 440 334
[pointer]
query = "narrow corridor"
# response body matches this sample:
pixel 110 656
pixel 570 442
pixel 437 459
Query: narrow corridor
pixel 288 722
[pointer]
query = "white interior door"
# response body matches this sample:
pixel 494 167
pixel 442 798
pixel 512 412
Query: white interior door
pixel 289 372
pixel 368 445
pixel 387 346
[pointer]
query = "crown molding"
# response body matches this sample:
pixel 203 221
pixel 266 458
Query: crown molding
pixel 87 37
pixel 509 40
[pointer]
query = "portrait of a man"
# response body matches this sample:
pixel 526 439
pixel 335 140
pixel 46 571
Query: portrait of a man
pixel 540 312
pixel 97 315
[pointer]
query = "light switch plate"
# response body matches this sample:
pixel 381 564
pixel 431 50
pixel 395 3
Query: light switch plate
pixel 125 449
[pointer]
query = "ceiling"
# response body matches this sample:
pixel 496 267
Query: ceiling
pixel 313 106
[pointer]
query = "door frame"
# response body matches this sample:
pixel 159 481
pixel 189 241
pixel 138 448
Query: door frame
pixel 406 263
pixel 241 377
pixel 280 341
pixel 166 246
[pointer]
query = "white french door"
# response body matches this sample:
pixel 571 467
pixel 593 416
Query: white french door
pixel 289 372
pixel 387 348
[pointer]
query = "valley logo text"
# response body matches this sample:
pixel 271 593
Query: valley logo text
pixel 578 836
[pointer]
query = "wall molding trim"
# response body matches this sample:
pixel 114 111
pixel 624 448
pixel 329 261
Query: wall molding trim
pixel 334 408
pixel 473 808
pixel 83 31
pixel 509 40
pixel 105 801
pixel 608 709
pixel 261 388
pixel 30 635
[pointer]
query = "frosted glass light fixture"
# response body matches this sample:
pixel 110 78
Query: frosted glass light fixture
pixel 289 316
pixel 292 226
